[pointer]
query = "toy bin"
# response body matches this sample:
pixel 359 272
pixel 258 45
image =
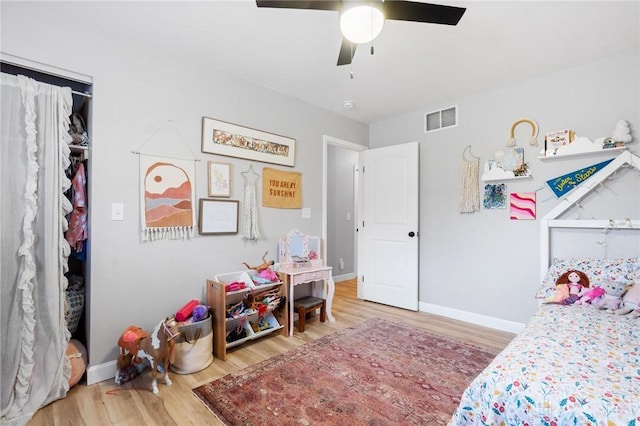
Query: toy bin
pixel 269 324
pixel 262 283
pixel 248 334
pixel 231 277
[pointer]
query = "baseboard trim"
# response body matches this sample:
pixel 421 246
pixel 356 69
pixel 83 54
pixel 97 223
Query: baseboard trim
pixel 344 277
pixel 483 320
pixel 101 372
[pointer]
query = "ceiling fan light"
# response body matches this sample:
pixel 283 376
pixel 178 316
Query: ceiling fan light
pixel 361 23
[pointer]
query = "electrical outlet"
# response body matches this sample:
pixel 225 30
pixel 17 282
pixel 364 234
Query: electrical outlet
pixel 306 213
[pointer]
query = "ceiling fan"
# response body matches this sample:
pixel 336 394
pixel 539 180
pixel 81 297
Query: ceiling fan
pixel 371 14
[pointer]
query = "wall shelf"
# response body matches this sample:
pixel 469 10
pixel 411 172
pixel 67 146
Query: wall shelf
pixel 583 154
pixel 78 148
pixel 508 179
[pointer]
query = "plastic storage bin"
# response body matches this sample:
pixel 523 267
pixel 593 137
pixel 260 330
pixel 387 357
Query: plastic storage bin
pixel 231 277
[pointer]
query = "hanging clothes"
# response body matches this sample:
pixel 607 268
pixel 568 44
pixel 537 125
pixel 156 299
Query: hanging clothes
pixel 469 194
pixel 78 231
pixel 250 208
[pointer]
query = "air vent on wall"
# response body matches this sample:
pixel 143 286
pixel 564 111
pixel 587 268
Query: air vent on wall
pixel 441 119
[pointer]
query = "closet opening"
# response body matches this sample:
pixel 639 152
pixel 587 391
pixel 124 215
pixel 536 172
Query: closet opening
pixel 78 288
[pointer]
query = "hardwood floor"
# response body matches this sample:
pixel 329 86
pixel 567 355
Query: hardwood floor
pixel 133 403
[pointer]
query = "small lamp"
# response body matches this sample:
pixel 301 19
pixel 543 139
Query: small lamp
pixel 361 23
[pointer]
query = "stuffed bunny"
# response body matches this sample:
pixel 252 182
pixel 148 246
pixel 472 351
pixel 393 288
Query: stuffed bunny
pixel 612 298
pixel 631 299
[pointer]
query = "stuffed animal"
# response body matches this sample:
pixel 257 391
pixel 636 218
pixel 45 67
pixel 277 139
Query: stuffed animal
pixel 631 298
pixel 612 298
pixel 569 287
pixel 200 312
pixel 591 296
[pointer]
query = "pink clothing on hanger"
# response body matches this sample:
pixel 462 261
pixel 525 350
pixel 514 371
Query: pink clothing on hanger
pixel 78 230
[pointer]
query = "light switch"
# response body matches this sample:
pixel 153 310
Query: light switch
pixel 117 211
pixel 306 213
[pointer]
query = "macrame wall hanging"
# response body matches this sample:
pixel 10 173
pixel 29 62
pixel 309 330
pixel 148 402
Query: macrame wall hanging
pixel 534 132
pixel 167 195
pixel 469 194
pixel 250 229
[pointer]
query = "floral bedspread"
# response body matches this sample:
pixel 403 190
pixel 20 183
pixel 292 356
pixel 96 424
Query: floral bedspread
pixel 571 365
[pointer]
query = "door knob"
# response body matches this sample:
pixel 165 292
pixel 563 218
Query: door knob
pixel 412 234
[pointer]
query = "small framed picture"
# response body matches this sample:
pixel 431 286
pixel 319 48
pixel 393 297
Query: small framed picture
pixel 218 216
pixel 219 179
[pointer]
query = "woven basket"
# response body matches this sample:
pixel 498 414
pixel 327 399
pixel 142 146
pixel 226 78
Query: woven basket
pixel 194 347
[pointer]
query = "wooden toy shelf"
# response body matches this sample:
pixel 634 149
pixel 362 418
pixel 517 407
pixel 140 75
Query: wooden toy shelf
pixel 219 300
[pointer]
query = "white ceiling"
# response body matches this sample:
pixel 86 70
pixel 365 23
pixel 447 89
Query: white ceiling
pixel 415 65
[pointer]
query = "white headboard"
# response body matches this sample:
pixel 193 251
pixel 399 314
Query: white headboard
pixel 550 220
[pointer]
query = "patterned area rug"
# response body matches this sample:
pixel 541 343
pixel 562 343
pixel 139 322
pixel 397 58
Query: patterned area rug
pixel 376 373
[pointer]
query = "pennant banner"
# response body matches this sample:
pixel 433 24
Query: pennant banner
pixel 565 183
pixel 281 189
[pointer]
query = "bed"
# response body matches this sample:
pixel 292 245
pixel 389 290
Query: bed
pixel 572 364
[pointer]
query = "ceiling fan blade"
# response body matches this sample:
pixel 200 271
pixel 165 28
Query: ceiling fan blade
pixel 347 50
pixel 401 10
pixel 299 4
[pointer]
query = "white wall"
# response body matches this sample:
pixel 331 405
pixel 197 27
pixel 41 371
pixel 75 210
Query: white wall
pixel 484 263
pixel 136 92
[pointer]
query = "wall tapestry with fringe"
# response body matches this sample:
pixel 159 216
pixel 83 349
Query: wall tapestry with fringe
pixel 167 194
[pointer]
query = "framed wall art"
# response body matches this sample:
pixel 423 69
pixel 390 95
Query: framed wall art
pixel 218 216
pixel 523 205
pixel 495 196
pixel 219 179
pixel 232 140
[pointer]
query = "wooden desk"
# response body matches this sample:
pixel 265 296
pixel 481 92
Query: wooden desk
pixel 292 277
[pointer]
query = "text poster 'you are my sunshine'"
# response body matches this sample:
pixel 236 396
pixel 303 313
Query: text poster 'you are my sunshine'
pixel 281 189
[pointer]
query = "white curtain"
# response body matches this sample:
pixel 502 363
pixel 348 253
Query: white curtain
pixel 33 157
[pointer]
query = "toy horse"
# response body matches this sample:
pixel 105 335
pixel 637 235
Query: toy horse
pixel 136 345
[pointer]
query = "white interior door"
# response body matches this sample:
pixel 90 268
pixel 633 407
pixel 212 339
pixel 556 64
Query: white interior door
pixel 388 228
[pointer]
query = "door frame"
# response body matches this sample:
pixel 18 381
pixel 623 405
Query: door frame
pixel 350 146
